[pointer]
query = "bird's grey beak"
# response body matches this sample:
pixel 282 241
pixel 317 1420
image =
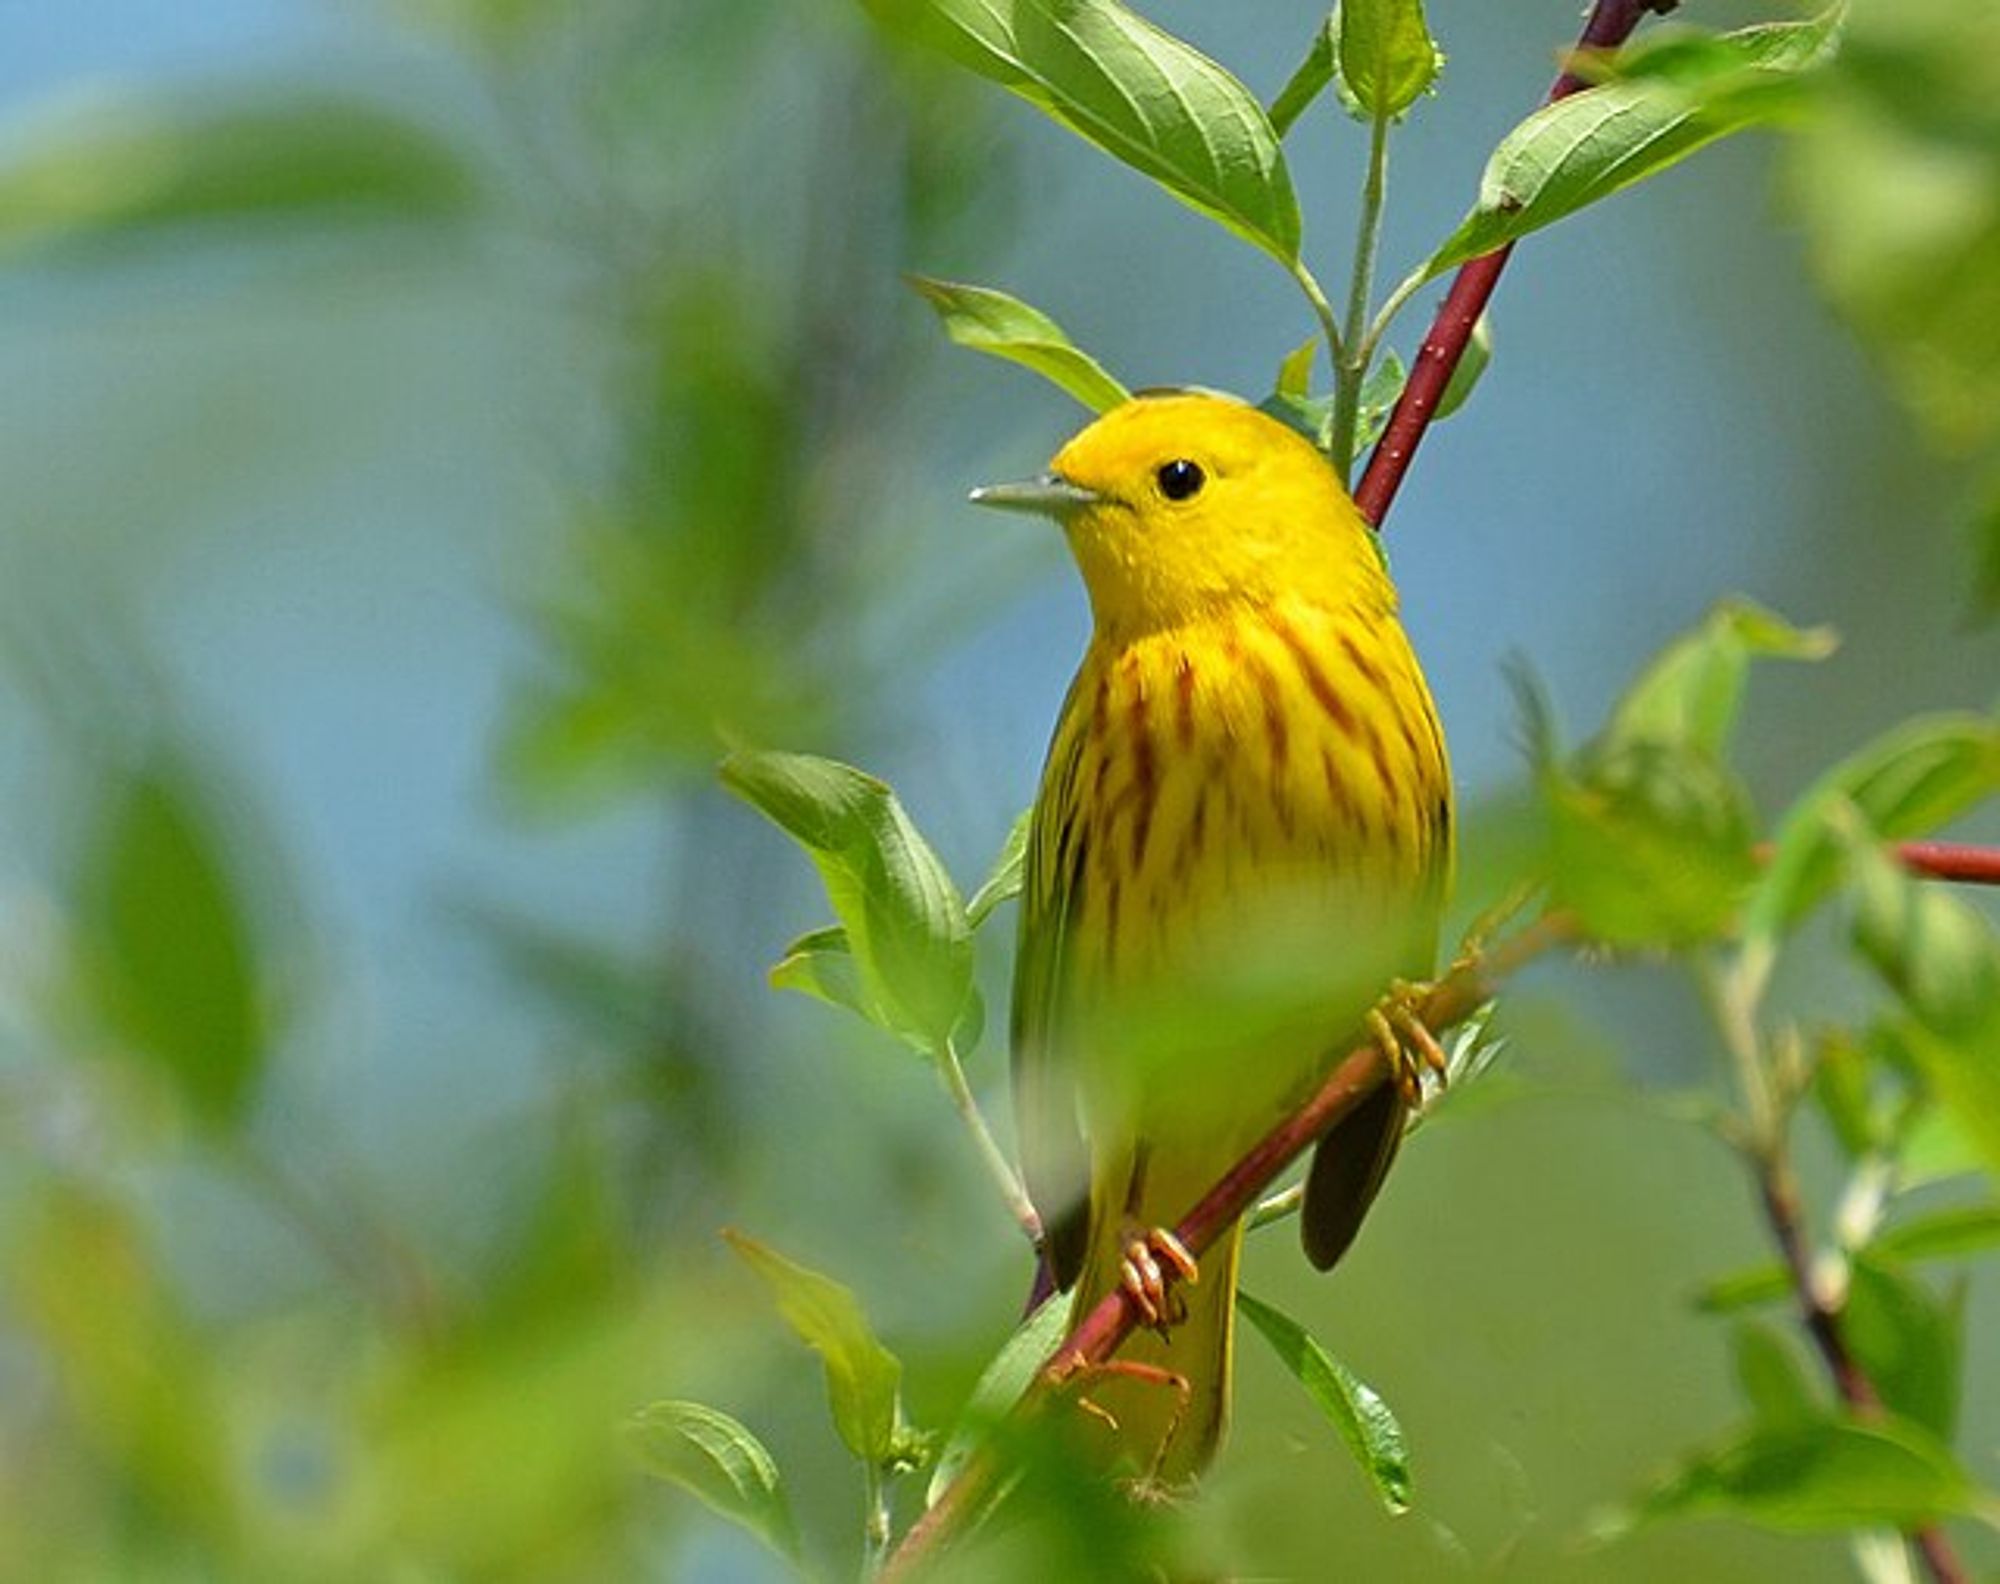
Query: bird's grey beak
pixel 1051 495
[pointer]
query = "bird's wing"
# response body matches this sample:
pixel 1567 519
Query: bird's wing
pixel 1054 1158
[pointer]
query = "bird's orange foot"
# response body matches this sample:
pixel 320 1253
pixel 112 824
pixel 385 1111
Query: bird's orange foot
pixel 1145 1282
pixel 1409 1047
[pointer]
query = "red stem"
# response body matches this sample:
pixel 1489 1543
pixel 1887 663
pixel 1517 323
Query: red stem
pixel 1611 23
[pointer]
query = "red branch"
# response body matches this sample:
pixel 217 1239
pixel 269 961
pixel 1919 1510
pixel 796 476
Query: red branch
pixel 1611 23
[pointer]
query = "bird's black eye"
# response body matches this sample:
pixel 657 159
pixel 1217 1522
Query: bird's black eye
pixel 1179 479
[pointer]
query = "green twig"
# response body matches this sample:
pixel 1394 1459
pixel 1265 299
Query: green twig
pixel 1351 370
pixel 998 1167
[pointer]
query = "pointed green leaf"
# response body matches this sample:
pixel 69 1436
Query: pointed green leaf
pixel 1295 373
pixel 1379 392
pixel 904 921
pixel 1750 1289
pixel 1471 365
pixel 863 1378
pixel 1907 1342
pixel 1828 1475
pixel 718 1461
pixel 991 321
pixel 1134 90
pixel 1001 1385
pixel 1689 695
pixel 1598 142
pixel 1003 883
pixel 1352 1407
pixel 1942 1234
pixel 1387 56
pixel 820 964
pixel 1768 1371
pixel 1306 83
pixel 1906 783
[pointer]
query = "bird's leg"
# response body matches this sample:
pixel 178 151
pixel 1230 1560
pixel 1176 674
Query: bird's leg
pixel 1399 1033
pixel 1144 1281
pixel 1488 923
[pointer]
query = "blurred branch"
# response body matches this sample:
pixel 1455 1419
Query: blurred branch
pixel 1611 23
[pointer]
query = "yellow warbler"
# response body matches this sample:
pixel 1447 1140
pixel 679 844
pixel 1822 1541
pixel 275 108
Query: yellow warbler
pixel 1243 833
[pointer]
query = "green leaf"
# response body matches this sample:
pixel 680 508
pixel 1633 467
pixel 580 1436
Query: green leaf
pixel 1984 531
pixel 904 921
pixel 1750 1289
pixel 863 1378
pixel 820 964
pixel 1768 1371
pixel 1841 1083
pixel 1295 373
pixel 1353 1408
pixel 1387 56
pixel 1942 1234
pixel 718 1461
pixel 1137 92
pixel 1001 1385
pixel 168 947
pixel 1896 178
pixel 1827 1475
pixel 1689 695
pixel 1003 882
pixel 1471 365
pixel 1378 399
pixel 1938 954
pixel 1598 142
pixel 131 170
pixel 1916 777
pixel 1306 83
pixel 1649 844
pixel 1907 1343
pixel 991 321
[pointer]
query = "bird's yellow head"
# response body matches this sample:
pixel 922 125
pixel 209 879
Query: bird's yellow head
pixel 1181 504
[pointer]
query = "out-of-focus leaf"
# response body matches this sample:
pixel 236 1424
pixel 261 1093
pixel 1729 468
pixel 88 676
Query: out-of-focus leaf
pixel 905 925
pixel 1907 1343
pixel 1942 1234
pixel 1827 1475
pixel 718 1461
pixel 1689 694
pixel 863 1378
pixel 1135 91
pixel 1939 954
pixel 128 170
pixel 1767 1369
pixel 1841 1085
pixel 1749 1289
pixel 1896 177
pixel 1351 1406
pixel 1306 83
pixel 1003 882
pixel 991 321
pixel 1649 844
pixel 1378 399
pixel 1471 365
pixel 1598 142
pixel 1909 781
pixel 170 951
pixel 1387 56
pixel 1985 533
pixel 1000 1387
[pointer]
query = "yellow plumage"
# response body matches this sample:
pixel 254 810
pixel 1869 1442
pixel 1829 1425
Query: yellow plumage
pixel 1243 832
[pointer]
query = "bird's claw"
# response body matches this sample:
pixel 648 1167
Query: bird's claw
pixel 1409 1047
pixel 1144 1281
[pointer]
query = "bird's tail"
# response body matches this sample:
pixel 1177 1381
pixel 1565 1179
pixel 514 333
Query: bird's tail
pixel 1162 1405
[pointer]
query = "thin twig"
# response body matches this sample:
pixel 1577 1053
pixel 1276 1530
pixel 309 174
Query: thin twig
pixel 1611 23
pixel 998 1167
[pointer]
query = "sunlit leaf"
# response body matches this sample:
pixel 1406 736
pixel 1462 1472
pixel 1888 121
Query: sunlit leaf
pixel 717 1460
pixel 1907 1343
pixel 1592 144
pixel 863 1377
pixel 1307 82
pixel 1134 90
pixel 1351 1406
pixel 1001 1385
pixel 905 924
pixel 991 321
pixel 1003 882
pixel 1769 1373
pixel 170 950
pixel 1690 693
pixel 1387 56
pixel 1828 1475
pixel 1916 777
pixel 1941 1234
pixel 124 170
pixel 820 964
